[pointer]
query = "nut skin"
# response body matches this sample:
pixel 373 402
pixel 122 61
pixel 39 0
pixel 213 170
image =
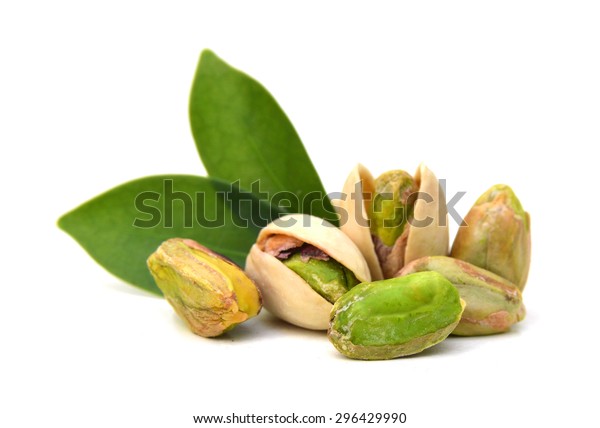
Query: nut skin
pixel 286 295
pixel 497 236
pixel 493 304
pixel 395 317
pixel 425 234
pixel 208 291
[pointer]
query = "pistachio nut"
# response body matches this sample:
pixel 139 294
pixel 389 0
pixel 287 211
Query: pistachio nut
pixel 303 264
pixel 395 317
pixel 496 236
pixel 395 218
pixel 493 304
pixel 209 292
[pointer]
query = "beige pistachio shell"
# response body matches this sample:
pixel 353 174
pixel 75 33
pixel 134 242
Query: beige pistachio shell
pixel 353 215
pixel 432 238
pixel 427 239
pixel 285 294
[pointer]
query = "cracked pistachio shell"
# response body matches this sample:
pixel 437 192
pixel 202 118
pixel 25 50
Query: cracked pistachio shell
pixel 427 235
pixel 493 304
pixel 209 292
pixel 395 317
pixel 497 236
pixel 285 294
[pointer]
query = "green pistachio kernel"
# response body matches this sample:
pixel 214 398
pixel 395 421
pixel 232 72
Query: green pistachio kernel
pixel 493 304
pixel 209 292
pixel 327 277
pixel 496 236
pixel 395 317
pixel 391 207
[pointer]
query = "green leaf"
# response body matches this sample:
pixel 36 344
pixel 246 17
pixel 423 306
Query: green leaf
pixel 123 226
pixel 243 135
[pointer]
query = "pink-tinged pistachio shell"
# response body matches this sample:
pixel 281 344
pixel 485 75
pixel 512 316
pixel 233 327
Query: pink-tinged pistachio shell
pixel 209 292
pixel 497 236
pixel 493 304
pixel 427 231
pixel 285 294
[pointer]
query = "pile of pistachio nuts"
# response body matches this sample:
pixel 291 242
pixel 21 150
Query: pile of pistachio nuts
pixel 384 284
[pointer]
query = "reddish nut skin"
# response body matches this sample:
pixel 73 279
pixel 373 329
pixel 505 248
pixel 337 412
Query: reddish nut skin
pixel 497 236
pixel 493 304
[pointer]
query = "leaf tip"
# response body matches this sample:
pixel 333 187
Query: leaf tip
pixel 208 55
pixel 62 221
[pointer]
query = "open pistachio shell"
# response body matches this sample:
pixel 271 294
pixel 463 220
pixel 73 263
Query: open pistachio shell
pixel 426 235
pixel 285 294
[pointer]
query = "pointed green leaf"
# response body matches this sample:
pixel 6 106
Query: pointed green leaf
pixel 243 134
pixel 123 226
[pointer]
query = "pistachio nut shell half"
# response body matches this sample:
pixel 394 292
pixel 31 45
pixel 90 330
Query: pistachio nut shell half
pixel 359 190
pixel 208 291
pixel 421 200
pixel 429 232
pixel 497 235
pixel 286 292
pixel 493 304
pixel 395 317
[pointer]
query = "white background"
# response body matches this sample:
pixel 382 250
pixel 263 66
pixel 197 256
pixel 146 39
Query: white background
pixel 95 94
